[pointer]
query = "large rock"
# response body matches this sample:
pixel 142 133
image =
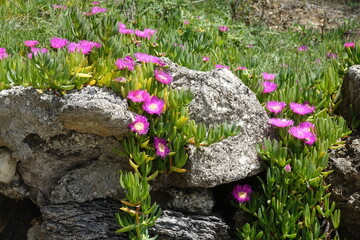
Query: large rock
pixel 345 183
pixel 351 94
pixel 221 97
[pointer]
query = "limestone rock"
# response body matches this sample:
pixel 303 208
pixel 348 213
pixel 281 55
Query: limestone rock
pixel 345 185
pixel 7 166
pixel 221 97
pixel 350 91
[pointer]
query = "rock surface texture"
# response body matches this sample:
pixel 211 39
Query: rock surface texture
pixel 345 182
pixel 57 151
pixel 351 94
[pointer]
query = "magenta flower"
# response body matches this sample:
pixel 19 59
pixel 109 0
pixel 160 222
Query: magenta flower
pixel 242 193
pixel 331 55
pixel 163 77
pixel 269 86
pixel 85 47
pixel 222 66
pixel 147 33
pixel 35 51
pixel 3 54
pixel 305 132
pixel 58 7
pixel 240 68
pixel 349 44
pixel 138 95
pixel 287 168
pixel 205 59
pixel 302 109
pixel 139 125
pixel 161 147
pixel 275 107
pixel 31 43
pixel 124 30
pixel 280 122
pixel 58 42
pixel 154 105
pixel 303 48
pixel 95 3
pixel 96 10
pixel 223 29
pixel 268 76
pixel 186 22
pixel 120 79
pixel 146 58
pixel 125 63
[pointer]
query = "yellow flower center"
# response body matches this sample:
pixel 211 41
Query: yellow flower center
pixel 139 126
pixel 242 195
pixel 153 106
pixel 161 147
pixel 162 77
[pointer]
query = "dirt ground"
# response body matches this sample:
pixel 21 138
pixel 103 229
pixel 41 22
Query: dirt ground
pixel 285 14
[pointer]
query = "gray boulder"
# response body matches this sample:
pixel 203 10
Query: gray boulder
pixel 345 185
pixel 351 94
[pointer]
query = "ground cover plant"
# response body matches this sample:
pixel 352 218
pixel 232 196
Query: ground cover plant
pixel 63 45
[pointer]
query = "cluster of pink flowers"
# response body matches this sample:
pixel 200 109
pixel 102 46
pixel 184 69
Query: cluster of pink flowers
pixel 146 33
pixel 304 131
pixel 151 105
pixel 95 10
pixel 223 28
pixel 125 63
pixel 349 45
pixel 84 47
pixel 58 42
pixel 268 84
pixel 3 54
pixel 146 58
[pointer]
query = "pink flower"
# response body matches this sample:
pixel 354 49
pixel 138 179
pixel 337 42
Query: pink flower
pixel 143 57
pixel 3 54
pixel 205 59
pixel 120 79
pixel 163 77
pixel 275 107
pixel 331 55
pixel 83 46
pixel 269 86
pixel 240 68
pixel 139 125
pixel 268 76
pixel 161 147
pixel 147 33
pixel 303 48
pixel 222 66
pixel 186 22
pixel 125 63
pixel 302 109
pixel 31 43
pixel 287 168
pixel 96 10
pixel 95 3
pixel 138 95
pixel 58 42
pixel 280 122
pixel 124 30
pixel 223 29
pixel 154 105
pixel 305 132
pixel 59 7
pixel 35 51
pixel 349 44
pixel 242 193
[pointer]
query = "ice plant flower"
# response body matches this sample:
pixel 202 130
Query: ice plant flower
pixel 242 193
pixel 35 51
pixel 85 47
pixel 222 66
pixel 147 33
pixel 275 107
pixel 280 122
pixel 95 3
pixel 349 44
pixel 302 109
pixel 205 59
pixel 331 55
pixel 96 10
pixel 124 30
pixel 305 132
pixel 161 147
pixel 120 79
pixel 125 63
pixel 186 22
pixel 287 168
pixel 303 48
pixel 154 105
pixel 3 54
pixel 223 28
pixel 58 42
pixel 240 68
pixel 139 125
pixel 163 77
pixel 146 58
pixel 269 86
pixel 138 95
pixel 268 76
pixel 31 43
